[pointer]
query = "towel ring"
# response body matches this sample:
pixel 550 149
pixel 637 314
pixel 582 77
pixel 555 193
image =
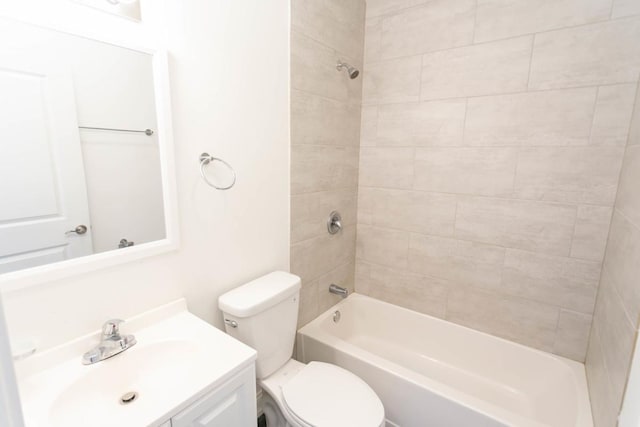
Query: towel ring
pixel 205 159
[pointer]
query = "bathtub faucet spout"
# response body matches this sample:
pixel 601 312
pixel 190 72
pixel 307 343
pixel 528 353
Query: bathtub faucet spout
pixel 339 290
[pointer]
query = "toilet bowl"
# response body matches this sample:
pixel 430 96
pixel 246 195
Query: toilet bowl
pixel 263 314
pixel 319 394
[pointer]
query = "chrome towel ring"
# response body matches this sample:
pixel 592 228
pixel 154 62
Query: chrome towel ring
pixel 205 159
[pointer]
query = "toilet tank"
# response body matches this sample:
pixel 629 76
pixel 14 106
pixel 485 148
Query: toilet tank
pixel 264 314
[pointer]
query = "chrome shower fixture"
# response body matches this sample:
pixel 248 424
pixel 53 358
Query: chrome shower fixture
pixel 353 71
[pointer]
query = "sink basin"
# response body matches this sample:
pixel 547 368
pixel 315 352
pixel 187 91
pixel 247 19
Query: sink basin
pixel 177 357
pixel 148 371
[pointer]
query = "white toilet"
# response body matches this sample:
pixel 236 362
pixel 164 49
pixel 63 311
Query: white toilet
pixel 263 314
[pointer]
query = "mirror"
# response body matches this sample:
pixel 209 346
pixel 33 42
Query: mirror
pixel 80 164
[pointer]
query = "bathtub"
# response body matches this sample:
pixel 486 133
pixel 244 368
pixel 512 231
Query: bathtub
pixel 432 373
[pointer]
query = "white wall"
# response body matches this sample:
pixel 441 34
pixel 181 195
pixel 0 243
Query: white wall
pixel 229 66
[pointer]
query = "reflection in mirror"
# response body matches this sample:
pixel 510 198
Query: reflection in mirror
pixel 124 8
pixel 79 172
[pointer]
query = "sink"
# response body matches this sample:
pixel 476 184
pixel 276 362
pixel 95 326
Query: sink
pixel 177 357
pixel 97 393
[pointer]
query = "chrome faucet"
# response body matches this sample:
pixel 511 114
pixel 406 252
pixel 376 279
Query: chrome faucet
pixel 339 290
pixel 111 343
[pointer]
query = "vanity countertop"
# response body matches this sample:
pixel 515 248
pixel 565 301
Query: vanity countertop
pixel 178 357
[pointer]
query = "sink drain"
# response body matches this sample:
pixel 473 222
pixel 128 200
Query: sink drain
pixel 128 398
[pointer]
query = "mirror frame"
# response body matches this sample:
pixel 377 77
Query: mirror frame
pixel 148 37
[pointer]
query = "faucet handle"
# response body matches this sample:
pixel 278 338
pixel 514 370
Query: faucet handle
pixel 111 328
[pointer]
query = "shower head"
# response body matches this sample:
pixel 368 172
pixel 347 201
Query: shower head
pixel 352 71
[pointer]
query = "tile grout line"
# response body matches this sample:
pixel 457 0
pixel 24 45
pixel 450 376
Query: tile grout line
pixel 492 245
pixel 489 290
pixel 475 23
pixel 567 204
pixel 498 94
pixel 573 232
pixel 593 113
pixel 533 45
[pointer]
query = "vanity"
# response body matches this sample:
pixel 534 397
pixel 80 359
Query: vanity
pixel 181 372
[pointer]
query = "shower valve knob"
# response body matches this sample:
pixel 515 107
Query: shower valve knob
pixel 334 223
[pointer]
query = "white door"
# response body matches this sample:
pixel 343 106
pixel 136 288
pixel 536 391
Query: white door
pixel 43 194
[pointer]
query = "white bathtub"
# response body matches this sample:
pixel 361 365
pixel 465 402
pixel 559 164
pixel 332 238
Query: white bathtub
pixel 433 373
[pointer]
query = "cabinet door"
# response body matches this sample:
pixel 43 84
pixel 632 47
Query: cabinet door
pixel 232 405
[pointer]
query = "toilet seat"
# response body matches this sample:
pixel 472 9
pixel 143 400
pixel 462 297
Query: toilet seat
pixel 322 394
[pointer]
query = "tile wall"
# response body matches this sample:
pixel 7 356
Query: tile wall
pixel 492 139
pixel 325 138
pixel 616 318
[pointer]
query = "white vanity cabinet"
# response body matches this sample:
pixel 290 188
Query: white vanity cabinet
pixel 233 404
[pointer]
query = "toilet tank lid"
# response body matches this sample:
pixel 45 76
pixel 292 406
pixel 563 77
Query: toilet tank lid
pixel 259 294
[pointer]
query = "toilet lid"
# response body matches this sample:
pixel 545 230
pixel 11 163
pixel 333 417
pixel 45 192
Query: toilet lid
pixel 325 395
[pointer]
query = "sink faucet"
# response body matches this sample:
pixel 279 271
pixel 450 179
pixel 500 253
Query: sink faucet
pixel 111 343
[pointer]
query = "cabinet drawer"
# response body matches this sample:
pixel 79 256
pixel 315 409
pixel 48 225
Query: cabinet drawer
pixel 232 404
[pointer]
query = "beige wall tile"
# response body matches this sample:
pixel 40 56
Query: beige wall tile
pixel 336 23
pixel 397 80
pixel 308 309
pixel 603 407
pixel 622 262
pixel 524 321
pixel 565 58
pixel 628 201
pixel 407 210
pixel 386 167
pixel 569 174
pixel 483 69
pixel 625 8
pixel 613 115
pixel 535 226
pixel 557 118
pixel 318 168
pixel 634 131
pixel 416 292
pixel 436 25
pixel 572 337
pixel 310 211
pixel 458 261
pixel 322 121
pixel 437 123
pixel 343 275
pixel 363 272
pixel 476 171
pixel 313 69
pixel 368 126
pixel 565 282
pixel 373 40
pixel 382 246
pixel 617 311
pixel 380 7
pixel 499 19
pixel 590 234
pixel 617 335
pixel 315 257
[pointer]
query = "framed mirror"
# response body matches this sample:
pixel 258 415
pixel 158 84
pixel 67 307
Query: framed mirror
pixel 86 164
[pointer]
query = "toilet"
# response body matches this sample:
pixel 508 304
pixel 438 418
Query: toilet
pixel 263 314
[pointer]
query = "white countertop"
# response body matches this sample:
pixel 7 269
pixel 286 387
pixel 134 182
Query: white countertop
pixel 177 358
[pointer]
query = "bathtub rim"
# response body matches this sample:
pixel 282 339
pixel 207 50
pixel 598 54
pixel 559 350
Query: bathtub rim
pixel 314 330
